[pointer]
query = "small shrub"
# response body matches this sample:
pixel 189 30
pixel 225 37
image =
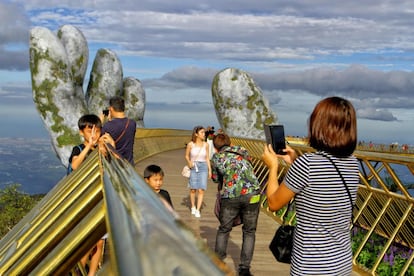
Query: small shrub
pixel 14 205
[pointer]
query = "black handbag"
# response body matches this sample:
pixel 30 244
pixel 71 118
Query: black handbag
pixel 282 242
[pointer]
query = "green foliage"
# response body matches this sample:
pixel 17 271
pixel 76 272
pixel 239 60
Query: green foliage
pixel 14 205
pixel 384 269
pixel 392 263
pixel 365 258
pixel 410 271
pixel 289 216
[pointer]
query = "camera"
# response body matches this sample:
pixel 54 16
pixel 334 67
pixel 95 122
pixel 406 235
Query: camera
pixel 275 135
pixel 105 112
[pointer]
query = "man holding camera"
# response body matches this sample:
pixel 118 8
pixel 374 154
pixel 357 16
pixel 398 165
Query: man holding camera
pixel 121 128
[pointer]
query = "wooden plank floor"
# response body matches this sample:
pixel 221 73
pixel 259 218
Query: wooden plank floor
pixel 263 263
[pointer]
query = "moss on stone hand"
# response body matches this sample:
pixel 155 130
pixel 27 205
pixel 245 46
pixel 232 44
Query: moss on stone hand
pixel 69 137
pixel 133 99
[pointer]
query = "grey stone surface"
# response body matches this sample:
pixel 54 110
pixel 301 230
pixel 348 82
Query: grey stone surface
pixel 240 106
pixel 54 93
pixel 77 52
pixel 134 95
pixel 105 80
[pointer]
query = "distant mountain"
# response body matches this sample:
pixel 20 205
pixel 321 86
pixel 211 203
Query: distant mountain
pixel 31 163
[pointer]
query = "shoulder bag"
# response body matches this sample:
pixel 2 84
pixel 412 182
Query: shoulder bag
pixel 186 171
pixel 282 242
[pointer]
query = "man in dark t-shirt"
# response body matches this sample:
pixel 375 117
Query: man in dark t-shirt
pixel 121 128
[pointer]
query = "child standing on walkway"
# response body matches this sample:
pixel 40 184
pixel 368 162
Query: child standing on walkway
pixel 154 176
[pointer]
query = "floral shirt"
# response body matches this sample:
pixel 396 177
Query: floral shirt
pixel 233 164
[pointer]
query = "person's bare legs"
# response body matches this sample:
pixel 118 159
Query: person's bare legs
pixel 96 257
pixel 200 199
pixel 192 197
pixel 84 259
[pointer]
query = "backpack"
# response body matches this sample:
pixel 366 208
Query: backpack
pixel 70 169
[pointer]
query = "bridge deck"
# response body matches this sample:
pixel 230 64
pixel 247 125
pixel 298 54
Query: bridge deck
pixel 263 261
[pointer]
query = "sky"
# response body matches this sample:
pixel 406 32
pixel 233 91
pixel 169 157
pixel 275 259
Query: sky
pixel 298 52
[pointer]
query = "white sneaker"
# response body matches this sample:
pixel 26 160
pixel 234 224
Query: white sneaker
pixel 193 210
pixel 197 214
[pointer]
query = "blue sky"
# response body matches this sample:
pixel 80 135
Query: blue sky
pixel 298 52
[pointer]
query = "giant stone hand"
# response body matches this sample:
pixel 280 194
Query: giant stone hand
pixel 58 65
pixel 240 105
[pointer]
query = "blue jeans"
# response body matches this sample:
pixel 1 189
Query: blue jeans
pixel 230 208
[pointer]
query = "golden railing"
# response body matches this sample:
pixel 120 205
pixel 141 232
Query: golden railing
pixel 107 195
pixel 56 232
pixel 75 214
pixel 383 207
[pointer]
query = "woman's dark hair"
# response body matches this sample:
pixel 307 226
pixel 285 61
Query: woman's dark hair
pixel 221 140
pixel 89 120
pixel 333 127
pixel 195 131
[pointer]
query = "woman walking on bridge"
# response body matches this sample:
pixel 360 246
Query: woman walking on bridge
pixel 197 155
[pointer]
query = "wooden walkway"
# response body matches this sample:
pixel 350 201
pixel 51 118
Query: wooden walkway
pixel 263 263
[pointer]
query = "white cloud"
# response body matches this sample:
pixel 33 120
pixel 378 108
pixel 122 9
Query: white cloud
pixel 216 30
pixel 296 51
pixel 376 114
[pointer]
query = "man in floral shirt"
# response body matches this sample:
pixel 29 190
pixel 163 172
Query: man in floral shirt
pixel 240 195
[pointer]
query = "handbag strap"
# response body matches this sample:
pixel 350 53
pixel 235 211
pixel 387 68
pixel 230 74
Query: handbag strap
pixel 343 181
pixel 123 132
pixel 288 208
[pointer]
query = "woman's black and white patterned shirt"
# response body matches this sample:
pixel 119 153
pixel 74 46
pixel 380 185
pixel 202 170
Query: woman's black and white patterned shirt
pixel 322 244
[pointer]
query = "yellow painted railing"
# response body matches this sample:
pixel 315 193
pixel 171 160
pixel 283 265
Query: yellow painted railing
pixel 54 235
pixel 384 206
pixel 107 193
